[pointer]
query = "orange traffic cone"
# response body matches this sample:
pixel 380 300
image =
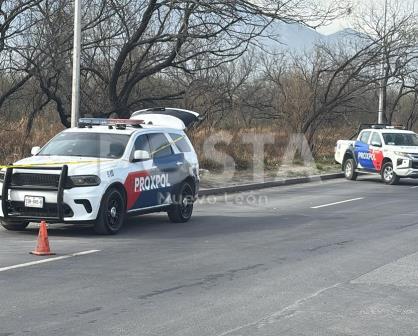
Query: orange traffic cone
pixel 42 249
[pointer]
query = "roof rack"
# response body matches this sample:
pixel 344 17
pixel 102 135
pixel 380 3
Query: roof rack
pixel 117 123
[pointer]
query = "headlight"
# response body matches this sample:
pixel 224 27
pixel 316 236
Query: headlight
pixel 83 181
pixel 407 155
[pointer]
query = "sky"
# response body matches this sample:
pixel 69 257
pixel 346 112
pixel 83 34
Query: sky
pixel 341 23
pixel 334 27
pixel 356 5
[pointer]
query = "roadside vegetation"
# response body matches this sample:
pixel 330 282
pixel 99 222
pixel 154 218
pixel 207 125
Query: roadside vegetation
pixel 17 140
pixel 216 58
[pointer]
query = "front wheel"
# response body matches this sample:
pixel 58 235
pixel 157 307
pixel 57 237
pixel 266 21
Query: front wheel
pixel 14 226
pixel 350 170
pixel 111 213
pixel 388 174
pixel 182 208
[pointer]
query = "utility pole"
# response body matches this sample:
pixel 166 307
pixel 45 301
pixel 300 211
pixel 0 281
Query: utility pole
pixel 382 87
pixel 75 99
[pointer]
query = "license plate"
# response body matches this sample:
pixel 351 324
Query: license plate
pixel 34 202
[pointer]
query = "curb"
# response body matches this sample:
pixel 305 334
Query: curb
pixel 270 184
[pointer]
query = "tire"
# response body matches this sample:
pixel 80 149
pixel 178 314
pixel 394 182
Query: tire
pixel 182 209
pixel 350 169
pixel 112 213
pixel 388 175
pixel 14 226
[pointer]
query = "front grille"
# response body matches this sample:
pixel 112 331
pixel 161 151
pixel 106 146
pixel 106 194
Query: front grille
pixel 43 180
pixel 415 164
pixel 49 210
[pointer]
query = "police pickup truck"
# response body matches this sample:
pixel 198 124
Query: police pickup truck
pixel 104 170
pixel 380 149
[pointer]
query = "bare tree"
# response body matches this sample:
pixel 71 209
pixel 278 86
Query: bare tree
pixel 131 46
pixel 306 92
pixel 15 20
pixel 394 28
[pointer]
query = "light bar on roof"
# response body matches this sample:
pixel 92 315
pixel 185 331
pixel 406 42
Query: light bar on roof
pixel 109 122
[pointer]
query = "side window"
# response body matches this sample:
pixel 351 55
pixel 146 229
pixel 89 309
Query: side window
pixel 376 139
pixel 181 142
pixel 142 143
pixel 365 136
pixel 160 146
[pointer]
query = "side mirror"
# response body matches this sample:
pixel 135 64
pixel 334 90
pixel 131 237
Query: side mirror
pixel 35 150
pixel 141 155
pixel 376 144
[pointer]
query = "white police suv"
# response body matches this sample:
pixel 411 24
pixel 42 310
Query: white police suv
pixel 104 170
pixel 380 149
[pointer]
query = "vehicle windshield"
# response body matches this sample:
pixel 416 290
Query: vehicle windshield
pixel 96 145
pixel 400 139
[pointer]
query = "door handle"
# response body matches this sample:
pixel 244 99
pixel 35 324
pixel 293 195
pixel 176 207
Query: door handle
pixel 179 163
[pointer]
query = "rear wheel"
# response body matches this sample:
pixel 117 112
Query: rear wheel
pixel 112 213
pixel 350 169
pixel 388 174
pixel 182 208
pixel 14 226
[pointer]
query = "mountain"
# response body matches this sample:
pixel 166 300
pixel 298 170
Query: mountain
pixel 347 34
pixel 298 38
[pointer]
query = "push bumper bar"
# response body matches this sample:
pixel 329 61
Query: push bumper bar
pixel 7 185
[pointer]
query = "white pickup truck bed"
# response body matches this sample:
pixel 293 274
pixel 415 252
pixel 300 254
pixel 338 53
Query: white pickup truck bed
pixel 341 148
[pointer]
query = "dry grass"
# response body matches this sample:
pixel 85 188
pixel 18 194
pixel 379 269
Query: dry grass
pixel 16 144
pixel 231 142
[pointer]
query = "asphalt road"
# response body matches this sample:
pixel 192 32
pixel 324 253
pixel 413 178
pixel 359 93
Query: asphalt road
pixel 282 261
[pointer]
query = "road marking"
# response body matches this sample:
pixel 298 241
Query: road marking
pixel 43 261
pixel 335 203
pixel 414 187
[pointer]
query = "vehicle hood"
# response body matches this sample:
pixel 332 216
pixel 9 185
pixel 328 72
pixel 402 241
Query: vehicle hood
pixel 76 165
pixel 403 149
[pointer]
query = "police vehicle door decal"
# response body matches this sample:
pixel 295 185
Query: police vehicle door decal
pixel 132 188
pixel 367 157
pixel 143 187
pixel 376 150
pixel 142 182
pixel 167 162
pixel 362 153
